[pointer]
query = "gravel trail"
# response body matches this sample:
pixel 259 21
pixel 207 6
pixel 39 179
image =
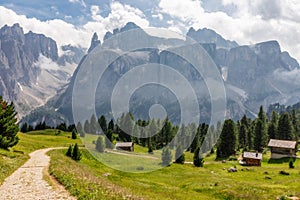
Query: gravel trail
pixel 27 182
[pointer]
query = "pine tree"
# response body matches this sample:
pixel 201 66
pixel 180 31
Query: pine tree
pixel 24 128
pixel 76 153
pixel 179 155
pixel 166 156
pixel 285 127
pixel 109 139
pixel 74 134
pixel 80 130
pixel 126 127
pixel 198 158
pixel 295 122
pixel 258 135
pixel 8 125
pixel 196 141
pixel 111 125
pixel 243 131
pixel 87 127
pixel 94 126
pixel 103 124
pixel 260 131
pixel 272 127
pixel 100 144
pixel 228 139
pixel 69 152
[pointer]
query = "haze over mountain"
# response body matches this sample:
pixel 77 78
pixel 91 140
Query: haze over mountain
pixel 254 75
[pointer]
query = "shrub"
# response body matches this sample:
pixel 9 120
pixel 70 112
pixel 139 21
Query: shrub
pixel 100 144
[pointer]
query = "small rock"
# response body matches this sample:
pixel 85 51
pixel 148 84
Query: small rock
pixel 232 169
pixel 107 174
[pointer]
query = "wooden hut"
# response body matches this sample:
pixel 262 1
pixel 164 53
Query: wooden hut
pixel 125 146
pixel 251 159
pixel 282 148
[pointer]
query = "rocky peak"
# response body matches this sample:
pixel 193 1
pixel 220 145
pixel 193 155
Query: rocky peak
pixel 127 27
pixel 13 33
pixel 95 41
pixel 269 48
pixel 210 36
pixel 36 44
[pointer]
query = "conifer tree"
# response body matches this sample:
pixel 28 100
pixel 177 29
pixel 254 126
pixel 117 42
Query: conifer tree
pixel 272 127
pixel 24 128
pixel 166 156
pixel 8 125
pixel 80 130
pixel 87 126
pixel 198 158
pixel 103 124
pixel 285 127
pixel 228 139
pixel 76 155
pixel 74 134
pixel 179 155
pixel 94 126
pixel 111 125
pixel 69 152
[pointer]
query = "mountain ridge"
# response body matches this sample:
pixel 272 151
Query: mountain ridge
pixel 248 72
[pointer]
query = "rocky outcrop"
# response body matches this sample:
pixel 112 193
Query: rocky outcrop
pixel 30 72
pixel 210 36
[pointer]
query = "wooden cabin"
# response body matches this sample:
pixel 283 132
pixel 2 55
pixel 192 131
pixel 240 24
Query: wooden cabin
pixel 282 148
pixel 251 159
pixel 125 146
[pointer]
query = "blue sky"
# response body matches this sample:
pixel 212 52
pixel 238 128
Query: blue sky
pixel 247 21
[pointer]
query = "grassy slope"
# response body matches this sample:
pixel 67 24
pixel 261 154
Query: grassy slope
pixel 178 181
pixel 86 179
pixel 17 156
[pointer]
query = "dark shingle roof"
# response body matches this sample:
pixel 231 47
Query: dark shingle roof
pixel 282 144
pixel 252 155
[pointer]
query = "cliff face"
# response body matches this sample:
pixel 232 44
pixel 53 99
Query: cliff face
pixel 30 74
pixel 253 75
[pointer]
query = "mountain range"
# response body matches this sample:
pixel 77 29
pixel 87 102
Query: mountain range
pixel 38 76
pixel 32 72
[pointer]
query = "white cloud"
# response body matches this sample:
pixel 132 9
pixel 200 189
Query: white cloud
pixel 95 10
pixel 81 2
pixel 253 21
pixel 120 14
pixel 65 33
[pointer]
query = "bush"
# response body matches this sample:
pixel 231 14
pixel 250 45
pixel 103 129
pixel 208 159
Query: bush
pixel 100 144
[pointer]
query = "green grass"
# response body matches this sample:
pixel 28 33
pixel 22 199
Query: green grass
pixel 180 181
pixel 13 158
pixel 91 179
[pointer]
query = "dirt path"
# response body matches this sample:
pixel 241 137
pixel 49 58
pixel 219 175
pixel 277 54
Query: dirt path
pixel 27 182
